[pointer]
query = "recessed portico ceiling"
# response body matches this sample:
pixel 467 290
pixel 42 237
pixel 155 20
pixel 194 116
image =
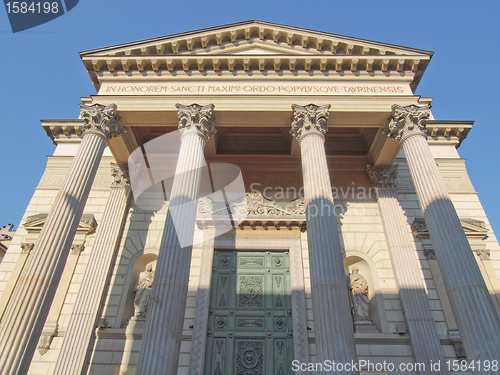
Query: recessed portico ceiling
pixel 256 45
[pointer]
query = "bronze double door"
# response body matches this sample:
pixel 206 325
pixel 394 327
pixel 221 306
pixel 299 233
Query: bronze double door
pixel 250 317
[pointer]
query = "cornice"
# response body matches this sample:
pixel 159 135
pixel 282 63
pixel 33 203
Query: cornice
pixel 252 75
pixel 368 63
pixel 445 131
pixel 63 129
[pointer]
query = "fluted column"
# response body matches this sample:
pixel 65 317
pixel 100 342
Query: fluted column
pixel 71 359
pixel 333 324
pixel 477 321
pixel 32 296
pixel 424 340
pixel 162 336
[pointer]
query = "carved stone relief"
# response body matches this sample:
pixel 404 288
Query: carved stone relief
pixel 254 204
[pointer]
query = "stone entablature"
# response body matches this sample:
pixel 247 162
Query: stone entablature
pixel 256 45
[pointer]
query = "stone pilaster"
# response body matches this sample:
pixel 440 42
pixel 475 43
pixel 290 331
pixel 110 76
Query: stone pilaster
pixel 477 321
pixel 21 261
pixel 424 340
pixel 333 324
pixel 489 270
pixel 51 327
pixel 32 296
pixel 162 336
pixel 71 359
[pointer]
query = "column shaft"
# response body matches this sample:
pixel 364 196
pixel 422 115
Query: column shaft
pixel 424 340
pixel 32 296
pixel 202 309
pixel 162 336
pixel 78 337
pixel 333 324
pixel 478 323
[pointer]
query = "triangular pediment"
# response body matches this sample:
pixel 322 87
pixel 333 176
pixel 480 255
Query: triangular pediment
pixel 255 45
pixel 34 223
pixel 256 48
pixel 473 228
pixel 288 37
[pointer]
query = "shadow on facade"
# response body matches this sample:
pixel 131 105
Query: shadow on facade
pixel 126 270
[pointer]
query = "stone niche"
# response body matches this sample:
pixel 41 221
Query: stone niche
pixel 133 275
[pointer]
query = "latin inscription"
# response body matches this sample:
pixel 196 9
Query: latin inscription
pixel 333 88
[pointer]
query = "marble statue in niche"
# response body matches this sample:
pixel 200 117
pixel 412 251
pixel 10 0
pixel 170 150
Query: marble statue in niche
pixel 142 292
pixel 360 300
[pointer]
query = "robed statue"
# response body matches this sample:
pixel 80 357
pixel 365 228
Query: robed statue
pixel 360 301
pixel 142 291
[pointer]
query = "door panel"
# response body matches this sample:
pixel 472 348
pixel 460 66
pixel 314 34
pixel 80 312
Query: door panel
pixel 250 318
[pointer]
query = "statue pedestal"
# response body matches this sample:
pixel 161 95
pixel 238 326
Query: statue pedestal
pixel 365 326
pixel 135 324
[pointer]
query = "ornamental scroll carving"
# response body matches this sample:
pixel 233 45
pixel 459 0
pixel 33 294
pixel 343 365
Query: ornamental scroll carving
pixel 102 120
pixel 196 118
pixel 383 176
pixel 309 119
pixel 254 204
pixel 406 121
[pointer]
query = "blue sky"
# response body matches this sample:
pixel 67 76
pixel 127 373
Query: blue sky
pixel 42 76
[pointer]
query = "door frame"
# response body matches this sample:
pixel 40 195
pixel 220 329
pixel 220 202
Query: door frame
pixel 293 246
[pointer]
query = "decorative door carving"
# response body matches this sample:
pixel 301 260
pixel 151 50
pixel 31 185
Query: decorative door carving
pixel 250 316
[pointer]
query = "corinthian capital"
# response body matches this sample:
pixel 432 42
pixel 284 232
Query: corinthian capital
pixel 196 118
pixel 382 176
pixel 309 119
pixel 100 119
pixel 120 174
pixel 407 121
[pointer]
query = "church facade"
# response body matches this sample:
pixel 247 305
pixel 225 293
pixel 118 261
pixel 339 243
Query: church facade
pixel 253 198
